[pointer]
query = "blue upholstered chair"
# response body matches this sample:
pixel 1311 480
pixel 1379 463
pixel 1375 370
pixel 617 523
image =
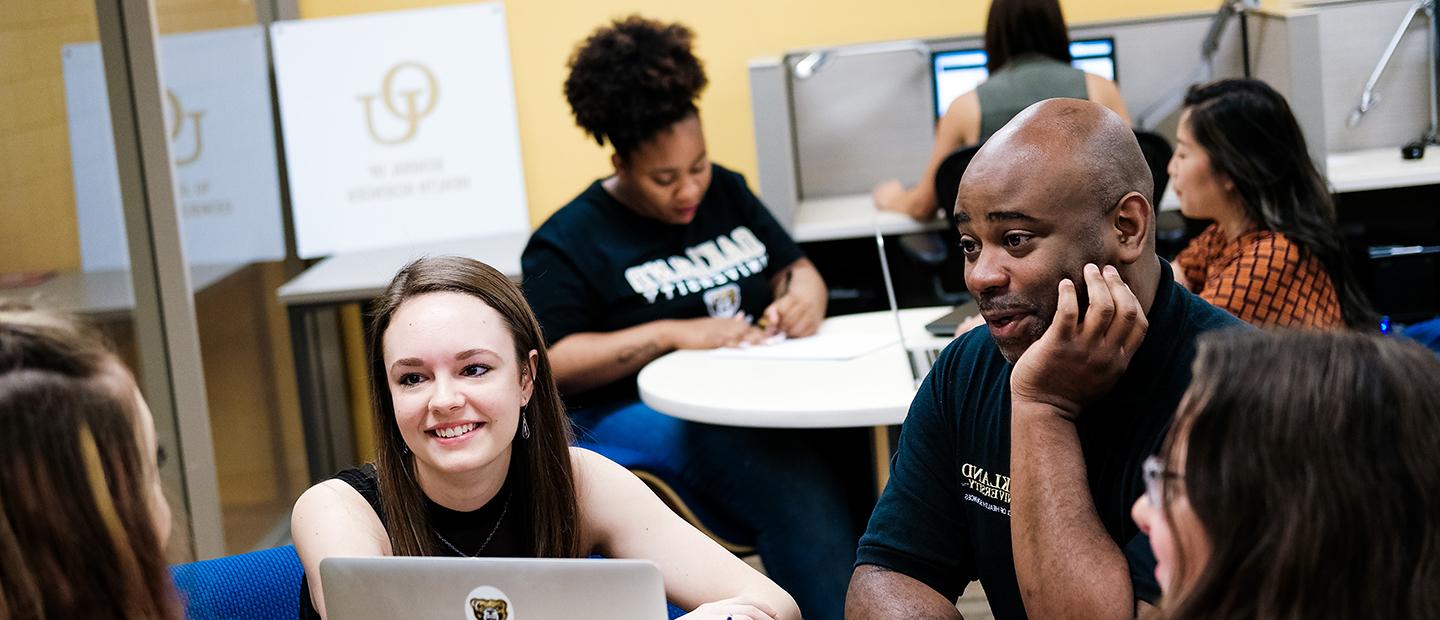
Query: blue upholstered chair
pixel 259 585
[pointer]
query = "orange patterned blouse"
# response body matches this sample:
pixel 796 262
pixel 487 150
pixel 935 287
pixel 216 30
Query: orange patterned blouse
pixel 1261 278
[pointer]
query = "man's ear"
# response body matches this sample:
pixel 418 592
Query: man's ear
pixel 619 164
pixel 1130 223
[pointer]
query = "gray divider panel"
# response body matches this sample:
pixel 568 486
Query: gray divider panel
pixel 1352 35
pixel 862 116
pixel 865 114
pixel 774 138
pixel 1282 51
pixel 1156 59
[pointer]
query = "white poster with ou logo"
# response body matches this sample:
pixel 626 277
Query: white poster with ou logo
pixel 222 143
pixel 399 128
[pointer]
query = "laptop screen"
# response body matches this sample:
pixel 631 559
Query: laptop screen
pixel 956 72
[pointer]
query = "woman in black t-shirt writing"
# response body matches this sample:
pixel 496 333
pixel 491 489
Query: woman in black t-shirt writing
pixel 473 457
pixel 674 252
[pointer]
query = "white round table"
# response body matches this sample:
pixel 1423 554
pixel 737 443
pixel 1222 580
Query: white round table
pixel 873 389
pixel 869 390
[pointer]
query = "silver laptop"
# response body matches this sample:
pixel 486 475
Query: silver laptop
pixel 491 588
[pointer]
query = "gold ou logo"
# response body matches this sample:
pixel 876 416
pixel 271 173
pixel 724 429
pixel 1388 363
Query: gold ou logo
pixel 178 116
pixel 408 105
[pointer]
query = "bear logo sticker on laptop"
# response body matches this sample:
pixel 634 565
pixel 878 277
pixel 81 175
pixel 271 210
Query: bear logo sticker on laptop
pixel 488 603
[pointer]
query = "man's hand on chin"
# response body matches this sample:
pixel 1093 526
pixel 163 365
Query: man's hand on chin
pixel 1077 361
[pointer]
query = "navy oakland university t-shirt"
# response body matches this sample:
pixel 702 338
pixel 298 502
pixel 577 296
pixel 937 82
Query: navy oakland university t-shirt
pixel 944 518
pixel 597 266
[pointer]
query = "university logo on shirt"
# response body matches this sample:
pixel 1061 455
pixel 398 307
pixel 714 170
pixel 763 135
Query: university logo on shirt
pixel 723 302
pixel 714 263
pixel 985 489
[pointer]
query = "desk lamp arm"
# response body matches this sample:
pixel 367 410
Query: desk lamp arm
pixel 1369 96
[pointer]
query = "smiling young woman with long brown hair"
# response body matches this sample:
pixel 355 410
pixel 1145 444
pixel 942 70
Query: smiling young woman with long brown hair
pixel 473 456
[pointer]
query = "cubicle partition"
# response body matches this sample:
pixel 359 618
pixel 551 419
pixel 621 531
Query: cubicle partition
pixel 831 123
pixel 1284 49
pixel 1351 37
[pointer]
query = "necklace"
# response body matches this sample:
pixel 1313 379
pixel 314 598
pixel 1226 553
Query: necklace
pixel 503 509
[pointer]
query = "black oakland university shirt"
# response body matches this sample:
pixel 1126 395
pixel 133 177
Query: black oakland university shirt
pixel 944 518
pixel 597 266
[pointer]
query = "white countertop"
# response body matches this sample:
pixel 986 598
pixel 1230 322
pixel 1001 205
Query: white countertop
pixel 870 390
pixel 852 217
pixel 1358 171
pixel 101 294
pixel 360 275
pixel 355 276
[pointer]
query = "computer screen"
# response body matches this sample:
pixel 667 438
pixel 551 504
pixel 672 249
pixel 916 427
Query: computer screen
pixel 956 72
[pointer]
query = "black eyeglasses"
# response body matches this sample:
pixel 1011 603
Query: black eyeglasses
pixel 1155 477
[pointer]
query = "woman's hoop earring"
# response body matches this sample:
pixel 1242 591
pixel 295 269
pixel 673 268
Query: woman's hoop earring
pixel 524 424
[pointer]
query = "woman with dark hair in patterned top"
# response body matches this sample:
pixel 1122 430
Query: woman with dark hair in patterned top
pixel 1273 257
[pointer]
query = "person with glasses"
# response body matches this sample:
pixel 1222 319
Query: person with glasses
pixel 1021 453
pixel 1307 493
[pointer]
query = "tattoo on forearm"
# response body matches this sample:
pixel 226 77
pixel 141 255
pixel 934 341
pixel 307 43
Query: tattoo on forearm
pixel 644 351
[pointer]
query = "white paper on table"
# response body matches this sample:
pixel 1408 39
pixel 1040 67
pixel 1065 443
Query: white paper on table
pixel 836 347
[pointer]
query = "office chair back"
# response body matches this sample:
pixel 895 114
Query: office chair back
pixel 261 585
pixel 947 179
pixel 1157 153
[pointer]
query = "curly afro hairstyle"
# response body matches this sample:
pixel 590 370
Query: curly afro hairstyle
pixel 632 79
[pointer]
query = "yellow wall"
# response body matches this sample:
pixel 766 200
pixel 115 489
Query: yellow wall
pixel 37 196
pixel 560 160
pixel 37 212
pixel 37 200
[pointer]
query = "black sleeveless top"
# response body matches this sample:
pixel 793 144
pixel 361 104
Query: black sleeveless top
pixel 504 522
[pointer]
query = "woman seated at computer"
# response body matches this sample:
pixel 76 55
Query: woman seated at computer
pixel 1308 493
pixel 83 521
pixel 1027 51
pixel 675 252
pixel 1273 256
pixel 473 457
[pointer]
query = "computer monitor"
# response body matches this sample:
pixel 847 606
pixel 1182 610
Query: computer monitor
pixel 956 72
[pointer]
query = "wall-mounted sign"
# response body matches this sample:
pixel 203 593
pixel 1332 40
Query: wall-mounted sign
pixel 399 128
pixel 222 141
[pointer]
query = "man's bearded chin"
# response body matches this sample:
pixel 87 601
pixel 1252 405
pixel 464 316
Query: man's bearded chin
pixel 1013 348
